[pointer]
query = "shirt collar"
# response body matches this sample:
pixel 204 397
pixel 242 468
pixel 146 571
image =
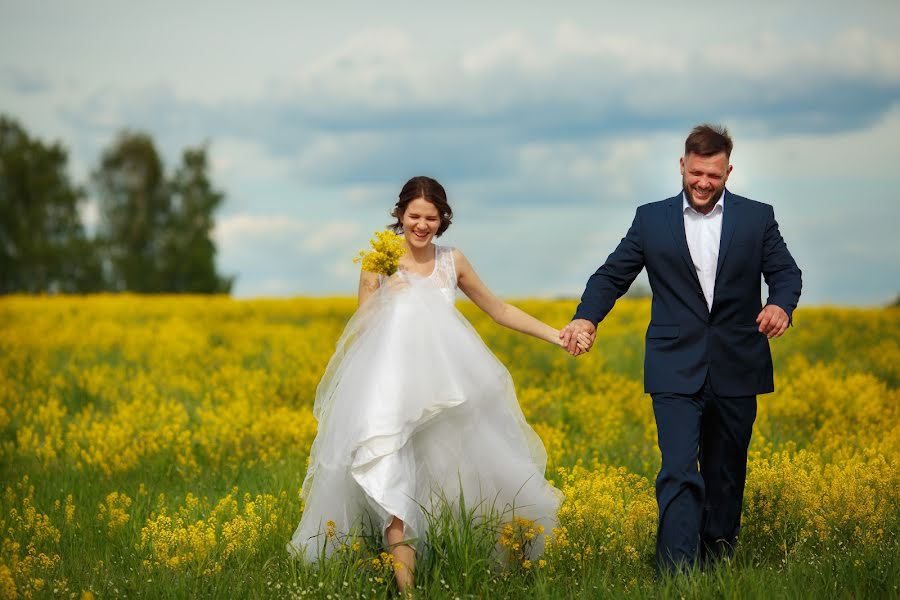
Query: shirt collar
pixel 720 205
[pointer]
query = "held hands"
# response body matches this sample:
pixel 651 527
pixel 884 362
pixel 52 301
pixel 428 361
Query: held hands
pixel 583 343
pixel 773 321
pixel 578 336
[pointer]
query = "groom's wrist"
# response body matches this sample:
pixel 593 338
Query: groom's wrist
pixel 585 317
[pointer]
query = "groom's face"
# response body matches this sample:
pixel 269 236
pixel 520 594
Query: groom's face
pixel 703 179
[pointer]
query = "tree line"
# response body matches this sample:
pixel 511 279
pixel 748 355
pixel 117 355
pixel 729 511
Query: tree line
pixel 154 229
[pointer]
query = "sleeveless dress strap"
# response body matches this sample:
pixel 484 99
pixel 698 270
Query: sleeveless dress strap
pixel 444 267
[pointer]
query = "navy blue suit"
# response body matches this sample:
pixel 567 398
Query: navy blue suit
pixel 702 367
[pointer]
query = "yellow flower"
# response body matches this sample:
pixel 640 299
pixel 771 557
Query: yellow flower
pixel 384 258
pixel 114 511
pixel 70 509
pixel 7 583
pixel 212 381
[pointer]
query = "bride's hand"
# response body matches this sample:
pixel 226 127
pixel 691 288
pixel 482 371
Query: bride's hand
pixel 396 282
pixel 584 341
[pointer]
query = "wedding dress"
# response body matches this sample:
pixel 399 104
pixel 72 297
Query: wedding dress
pixel 414 410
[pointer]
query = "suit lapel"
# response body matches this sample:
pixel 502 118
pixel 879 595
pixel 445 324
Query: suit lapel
pixel 676 224
pixel 730 217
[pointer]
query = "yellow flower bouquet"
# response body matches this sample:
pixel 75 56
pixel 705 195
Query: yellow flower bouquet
pixel 384 257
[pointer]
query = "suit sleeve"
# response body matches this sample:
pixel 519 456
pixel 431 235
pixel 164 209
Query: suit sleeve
pixel 780 271
pixel 614 278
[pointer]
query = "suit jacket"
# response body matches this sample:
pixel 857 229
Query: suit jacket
pixel 686 341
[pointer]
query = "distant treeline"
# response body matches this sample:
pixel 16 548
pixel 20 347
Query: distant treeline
pixel 154 227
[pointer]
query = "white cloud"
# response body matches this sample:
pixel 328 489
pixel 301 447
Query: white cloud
pixel 329 235
pixel 511 50
pixel 382 98
pixel 327 152
pixel 234 158
pixel 280 255
pixel 860 156
pixel 850 53
pixel 628 52
pixel 238 228
pixel 386 66
pixel 343 269
pixel 373 193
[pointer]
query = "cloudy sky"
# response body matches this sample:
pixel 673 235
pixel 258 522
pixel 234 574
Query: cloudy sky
pixel 548 123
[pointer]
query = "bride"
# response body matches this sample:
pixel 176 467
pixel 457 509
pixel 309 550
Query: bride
pixel 414 408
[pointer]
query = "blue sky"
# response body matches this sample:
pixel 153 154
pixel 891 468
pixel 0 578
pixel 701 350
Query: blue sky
pixel 547 124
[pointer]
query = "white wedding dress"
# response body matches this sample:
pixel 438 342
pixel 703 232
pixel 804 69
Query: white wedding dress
pixel 413 407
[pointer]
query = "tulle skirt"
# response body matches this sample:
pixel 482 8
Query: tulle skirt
pixel 414 412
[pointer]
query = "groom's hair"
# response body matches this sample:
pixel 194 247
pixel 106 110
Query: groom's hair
pixel 707 140
pixel 428 189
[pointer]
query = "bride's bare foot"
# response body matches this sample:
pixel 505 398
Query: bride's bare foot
pixel 404 557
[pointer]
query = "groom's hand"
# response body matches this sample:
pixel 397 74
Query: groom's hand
pixel 773 321
pixel 569 335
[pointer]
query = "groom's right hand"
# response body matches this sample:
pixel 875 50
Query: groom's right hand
pixel 569 335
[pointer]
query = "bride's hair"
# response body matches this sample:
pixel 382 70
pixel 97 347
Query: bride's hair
pixel 427 189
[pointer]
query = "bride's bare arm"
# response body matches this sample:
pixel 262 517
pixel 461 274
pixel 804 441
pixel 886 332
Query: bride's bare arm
pixel 368 283
pixel 501 312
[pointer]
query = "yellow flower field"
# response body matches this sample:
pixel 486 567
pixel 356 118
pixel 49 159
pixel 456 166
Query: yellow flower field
pixel 155 446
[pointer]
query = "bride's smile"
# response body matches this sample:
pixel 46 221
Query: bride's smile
pixel 420 223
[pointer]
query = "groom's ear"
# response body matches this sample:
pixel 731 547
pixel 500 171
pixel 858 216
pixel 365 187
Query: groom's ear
pixel 681 165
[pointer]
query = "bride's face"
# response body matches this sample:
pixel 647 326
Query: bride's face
pixel 420 222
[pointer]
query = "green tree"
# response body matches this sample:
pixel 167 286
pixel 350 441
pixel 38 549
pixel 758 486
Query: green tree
pixel 157 231
pixel 134 208
pixel 43 247
pixel 189 252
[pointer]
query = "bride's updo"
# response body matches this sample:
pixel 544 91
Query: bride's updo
pixel 428 189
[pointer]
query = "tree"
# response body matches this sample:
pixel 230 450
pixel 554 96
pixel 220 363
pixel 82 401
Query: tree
pixel 188 251
pixel 156 231
pixel 134 208
pixel 43 247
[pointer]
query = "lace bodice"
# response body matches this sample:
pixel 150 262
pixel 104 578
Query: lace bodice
pixel 444 273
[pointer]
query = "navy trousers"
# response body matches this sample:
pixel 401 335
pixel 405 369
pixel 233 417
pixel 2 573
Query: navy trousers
pixel 700 488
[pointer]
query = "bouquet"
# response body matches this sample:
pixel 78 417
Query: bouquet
pixel 384 257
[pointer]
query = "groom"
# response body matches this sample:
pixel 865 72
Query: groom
pixel 707 351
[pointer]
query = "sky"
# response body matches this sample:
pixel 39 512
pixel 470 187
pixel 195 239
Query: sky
pixel 547 123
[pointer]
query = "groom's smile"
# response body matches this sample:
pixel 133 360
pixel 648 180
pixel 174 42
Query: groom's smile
pixel 703 179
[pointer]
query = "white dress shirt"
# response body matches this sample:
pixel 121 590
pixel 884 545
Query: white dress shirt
pixel 703 234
